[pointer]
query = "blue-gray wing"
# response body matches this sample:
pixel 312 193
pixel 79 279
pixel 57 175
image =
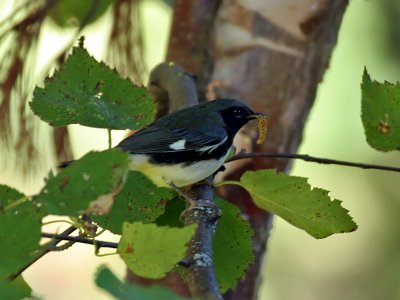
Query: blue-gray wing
pixel 156 139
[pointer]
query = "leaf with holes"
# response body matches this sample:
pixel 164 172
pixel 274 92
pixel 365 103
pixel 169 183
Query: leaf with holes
pixel 151 251
pixel 293 199
pixel 380 113
pixel 139 200
pixel 88 184
pixel 89 93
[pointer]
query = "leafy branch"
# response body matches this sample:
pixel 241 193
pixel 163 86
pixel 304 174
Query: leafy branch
pixel 149 219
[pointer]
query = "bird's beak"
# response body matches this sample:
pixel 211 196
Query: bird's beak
pixel 256 115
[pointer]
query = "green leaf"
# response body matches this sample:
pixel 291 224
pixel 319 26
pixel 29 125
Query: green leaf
pixel 71 13
pixel 232 246
pixel 172 215
pixel 106 280
pixel 91 181
pixel 292 198
pixel 150 250
pixel 89 93
pixel 380 112
pixel 9 197
pixel 20 225
pixel 14 290
pixel 139 200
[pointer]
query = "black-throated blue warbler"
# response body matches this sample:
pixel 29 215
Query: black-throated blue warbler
pixel 188 145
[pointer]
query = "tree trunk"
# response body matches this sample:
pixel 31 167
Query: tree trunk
pixel 270 54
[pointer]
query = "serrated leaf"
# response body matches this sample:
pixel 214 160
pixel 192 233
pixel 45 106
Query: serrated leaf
pixel 14 290
pixel 20 225
pixel 139 200
pixel 106 280
pixel 89 93
pixel 71 13
pixel 293 199
pixel 232 246
pixel 380 112
pixel 151 251
pixel 95 176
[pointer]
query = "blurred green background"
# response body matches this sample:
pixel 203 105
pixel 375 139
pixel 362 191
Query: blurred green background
pixel 360 265
pixel 364 264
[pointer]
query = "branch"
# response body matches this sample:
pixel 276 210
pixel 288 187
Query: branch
pixel 201 273
pixel 175 89
pixel 305 157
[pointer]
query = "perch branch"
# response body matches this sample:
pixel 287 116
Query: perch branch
pixel 201 273
pixel 174 89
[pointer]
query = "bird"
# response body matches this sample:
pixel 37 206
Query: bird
pixel 188 145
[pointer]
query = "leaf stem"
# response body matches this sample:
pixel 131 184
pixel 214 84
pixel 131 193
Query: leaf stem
pixel 16 203
pixel 226 182
pixel 109 138
pixel 58 221
pixel 105 254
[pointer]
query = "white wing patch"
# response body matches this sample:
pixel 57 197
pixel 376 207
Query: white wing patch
pixel 211 148
pixel 178 145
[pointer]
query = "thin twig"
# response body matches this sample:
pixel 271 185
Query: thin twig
pixel 305 157
pixel 80 239
pixel 46 250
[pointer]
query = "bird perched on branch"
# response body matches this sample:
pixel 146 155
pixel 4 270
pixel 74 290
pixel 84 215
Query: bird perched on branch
pixel 188 145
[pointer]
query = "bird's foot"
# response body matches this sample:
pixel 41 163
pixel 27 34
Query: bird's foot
pixel 192 202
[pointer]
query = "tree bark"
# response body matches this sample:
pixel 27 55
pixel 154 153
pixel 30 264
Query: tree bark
pixel 271 55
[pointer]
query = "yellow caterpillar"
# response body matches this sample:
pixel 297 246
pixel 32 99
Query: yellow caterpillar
pixel 262 129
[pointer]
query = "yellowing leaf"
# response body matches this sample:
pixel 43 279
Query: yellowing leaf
pixel 150 250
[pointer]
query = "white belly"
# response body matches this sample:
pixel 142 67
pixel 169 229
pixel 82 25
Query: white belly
pixel 177 174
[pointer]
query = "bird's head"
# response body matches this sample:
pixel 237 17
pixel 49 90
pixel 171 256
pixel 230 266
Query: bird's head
pixel 235 114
